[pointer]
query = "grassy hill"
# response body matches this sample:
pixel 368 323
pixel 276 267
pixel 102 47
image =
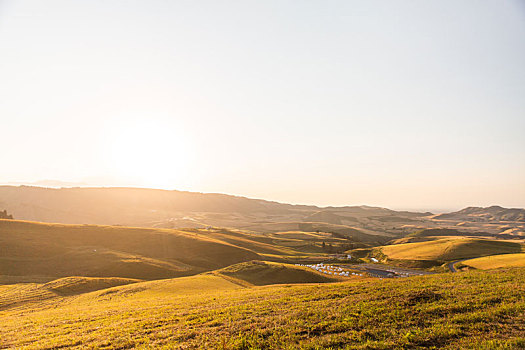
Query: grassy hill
pixel 506 232
pixel 283 246
pixel 497 261
pixel 57 250
pixel 428 251
pixel 261 244
pixel 25 294
pixel 40 252
pixel 449 248
pixel 474 310
pixel 78 285
pixel 261 273
pixel 343 231
pixel 433 232
pixel 493 213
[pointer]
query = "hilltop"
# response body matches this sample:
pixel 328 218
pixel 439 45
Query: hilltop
pixel 493 213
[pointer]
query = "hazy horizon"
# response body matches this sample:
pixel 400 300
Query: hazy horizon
pixel 405 105
pixel 56 184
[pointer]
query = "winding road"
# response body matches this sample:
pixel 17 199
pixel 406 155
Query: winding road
pixel 451 265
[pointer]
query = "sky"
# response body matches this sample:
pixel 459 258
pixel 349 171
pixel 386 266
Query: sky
pixel 401 104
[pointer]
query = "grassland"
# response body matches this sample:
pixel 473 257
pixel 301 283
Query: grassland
pixel 269 245
pixel 450 248
pixel 497 261
pixel 50 251
pixel 24 294
pixel 477 309
pixel 101 287
pixel 41 252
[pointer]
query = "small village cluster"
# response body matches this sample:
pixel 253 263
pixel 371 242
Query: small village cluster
pixel 330 270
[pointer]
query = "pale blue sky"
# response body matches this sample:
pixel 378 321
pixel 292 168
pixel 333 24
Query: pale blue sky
pixel 405 104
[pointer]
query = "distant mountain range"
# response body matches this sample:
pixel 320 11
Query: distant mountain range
pixel 178 209
pixel 50 183
pixel 480 214
pixel 163 208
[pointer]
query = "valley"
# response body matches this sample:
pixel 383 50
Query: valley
pixel 264 275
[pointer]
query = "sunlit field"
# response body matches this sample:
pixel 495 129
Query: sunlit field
pixel 496 261
pixel 471 310
pixel 262 175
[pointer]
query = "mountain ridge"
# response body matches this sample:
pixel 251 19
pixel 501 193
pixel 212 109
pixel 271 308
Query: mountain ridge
pixel 129 205
pixel 492 213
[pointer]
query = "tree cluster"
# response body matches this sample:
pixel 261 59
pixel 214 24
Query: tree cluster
pixel 4 215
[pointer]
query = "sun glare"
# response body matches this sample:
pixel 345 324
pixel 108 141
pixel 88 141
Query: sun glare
pixel 148 154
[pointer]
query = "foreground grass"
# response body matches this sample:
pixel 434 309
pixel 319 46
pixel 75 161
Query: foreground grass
pixel 465 310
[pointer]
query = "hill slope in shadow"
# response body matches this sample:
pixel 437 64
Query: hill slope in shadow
pixel 59 250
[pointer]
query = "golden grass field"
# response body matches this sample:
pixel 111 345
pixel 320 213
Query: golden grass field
pixel 450 248
pixel 472 310
pixel 113 287
pixel 56 250
pixel 497 261
pixel 36 252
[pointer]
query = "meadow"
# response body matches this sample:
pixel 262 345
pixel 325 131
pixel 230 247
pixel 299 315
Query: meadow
pixel 115 287
pixel 438 250
pixel 496 261
pixel 481 310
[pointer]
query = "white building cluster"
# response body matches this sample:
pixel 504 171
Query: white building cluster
pixel 330 270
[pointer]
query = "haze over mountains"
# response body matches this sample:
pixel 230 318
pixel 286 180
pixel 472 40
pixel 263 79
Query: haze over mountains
pixel 220 254
pixel 143 206
pixel 177 209
pixel 493 213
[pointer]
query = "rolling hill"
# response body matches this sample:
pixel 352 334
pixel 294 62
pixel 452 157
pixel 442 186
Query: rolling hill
pixel 493 213
pixel 441 249
pixel 261 273
pixel 496 261
pixel 57 250
pixel 24 294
